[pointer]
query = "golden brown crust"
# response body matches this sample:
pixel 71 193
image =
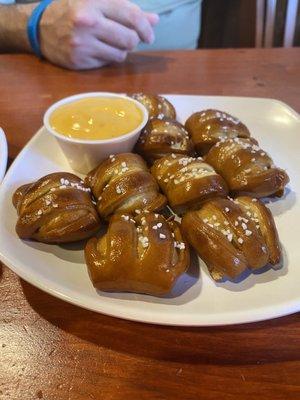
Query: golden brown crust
pixel 225 238
pixel 142 255
pixel 246 168
pixel 187 181
pixel 161 137
pixel 264 221
pixel 123 184
pixel 57 208
pixel 207 127
pixel 157 106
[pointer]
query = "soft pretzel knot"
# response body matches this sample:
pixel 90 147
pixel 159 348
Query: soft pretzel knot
pixel 157 106
pixel 207 127
pixel 187 181
pixel 247 168
pixel 123 184
pixel 231 236
pixel 144 254
pixel 57 208
pixel 161 137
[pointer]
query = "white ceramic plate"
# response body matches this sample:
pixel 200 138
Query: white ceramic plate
pixel 196 300
pixel 3 154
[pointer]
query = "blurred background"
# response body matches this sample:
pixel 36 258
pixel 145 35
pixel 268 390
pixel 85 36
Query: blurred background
pixel 250 23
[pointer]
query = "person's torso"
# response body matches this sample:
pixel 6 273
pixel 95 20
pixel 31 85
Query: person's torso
pixel 160 6
pixel 179 24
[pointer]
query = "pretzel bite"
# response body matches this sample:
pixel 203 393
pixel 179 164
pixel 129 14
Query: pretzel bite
pixel 157 106
pixel 145 254
pixel 229 240
pixel 123 184
pixel 57 208
pixel 187 181
pixel 264 222
pixel 246 168
pixel 161 137
pixel 207 127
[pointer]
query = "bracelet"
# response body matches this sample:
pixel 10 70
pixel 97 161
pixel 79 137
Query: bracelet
pixel 33 26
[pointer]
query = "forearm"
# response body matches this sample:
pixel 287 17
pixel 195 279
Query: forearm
pixel 13 23
pixel 79 34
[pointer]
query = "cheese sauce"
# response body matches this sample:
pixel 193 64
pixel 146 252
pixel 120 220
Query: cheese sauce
pixel 96 118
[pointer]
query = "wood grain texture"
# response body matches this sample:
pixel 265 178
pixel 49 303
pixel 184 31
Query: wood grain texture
pixel 53 350
pixel 28 86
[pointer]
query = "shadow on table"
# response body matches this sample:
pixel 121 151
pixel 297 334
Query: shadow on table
pixel 248 344
pixel 138 64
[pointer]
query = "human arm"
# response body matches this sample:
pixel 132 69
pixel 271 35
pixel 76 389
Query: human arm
pixel 80 34
pixel 13 22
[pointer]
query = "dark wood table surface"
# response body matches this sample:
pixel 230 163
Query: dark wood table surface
pixel 52 350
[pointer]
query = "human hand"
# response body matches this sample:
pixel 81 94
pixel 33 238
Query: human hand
pixel 84 34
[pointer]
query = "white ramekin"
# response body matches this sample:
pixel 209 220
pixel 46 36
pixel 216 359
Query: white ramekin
pixel 84 155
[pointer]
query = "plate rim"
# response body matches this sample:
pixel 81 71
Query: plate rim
pixel 216 319
pixel 225 319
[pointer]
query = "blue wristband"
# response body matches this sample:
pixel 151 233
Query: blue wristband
pixel 33 26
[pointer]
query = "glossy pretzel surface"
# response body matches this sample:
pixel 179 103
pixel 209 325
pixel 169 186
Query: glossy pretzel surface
pixel 145 254
pixel 57 208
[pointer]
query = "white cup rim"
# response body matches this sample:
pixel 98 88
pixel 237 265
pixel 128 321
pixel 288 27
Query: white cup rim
pixel 78 96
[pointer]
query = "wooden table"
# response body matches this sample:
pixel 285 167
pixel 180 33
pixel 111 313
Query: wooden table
pixel 56 351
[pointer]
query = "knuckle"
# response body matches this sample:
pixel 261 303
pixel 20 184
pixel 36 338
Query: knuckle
pixel 74 42
pixel 81 18
pixel 75 16
pixel 135 16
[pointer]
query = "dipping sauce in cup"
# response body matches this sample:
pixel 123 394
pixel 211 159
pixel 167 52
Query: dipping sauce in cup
pixel 96 118
pixel 91 126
